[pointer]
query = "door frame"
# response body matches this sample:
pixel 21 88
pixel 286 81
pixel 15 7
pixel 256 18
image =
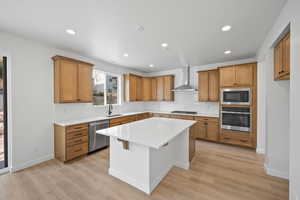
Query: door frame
pixel 8 111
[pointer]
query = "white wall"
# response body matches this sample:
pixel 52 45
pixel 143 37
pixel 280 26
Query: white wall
pixel 289 14
pixel 33 111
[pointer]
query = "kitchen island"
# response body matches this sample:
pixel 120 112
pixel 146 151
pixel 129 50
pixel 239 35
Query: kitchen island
pixel 143 152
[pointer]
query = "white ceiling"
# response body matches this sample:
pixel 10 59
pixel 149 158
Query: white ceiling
pixel 106 29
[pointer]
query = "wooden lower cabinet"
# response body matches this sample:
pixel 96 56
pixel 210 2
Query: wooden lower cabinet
pixel 70 141
pixel 236 138
pixel 127 119
pixel 206 128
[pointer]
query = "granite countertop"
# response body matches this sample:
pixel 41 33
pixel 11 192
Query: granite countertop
pixel 92 119
pixel 153 132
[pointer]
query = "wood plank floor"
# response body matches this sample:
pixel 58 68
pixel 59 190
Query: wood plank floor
pixel 218 172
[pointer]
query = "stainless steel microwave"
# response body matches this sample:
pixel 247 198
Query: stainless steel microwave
pixel 236 96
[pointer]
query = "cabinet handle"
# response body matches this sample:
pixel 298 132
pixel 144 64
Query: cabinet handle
pixel 244 141
pixel 226 138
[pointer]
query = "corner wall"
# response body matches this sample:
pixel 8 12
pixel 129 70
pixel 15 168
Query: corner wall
pixel 289 14
pixel 33 111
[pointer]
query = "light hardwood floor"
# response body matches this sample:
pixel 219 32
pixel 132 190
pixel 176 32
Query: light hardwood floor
pixel 218 172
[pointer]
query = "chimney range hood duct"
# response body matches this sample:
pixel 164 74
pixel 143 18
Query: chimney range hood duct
pixel 186 87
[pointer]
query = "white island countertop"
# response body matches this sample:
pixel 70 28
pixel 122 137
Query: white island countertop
pixel 153 132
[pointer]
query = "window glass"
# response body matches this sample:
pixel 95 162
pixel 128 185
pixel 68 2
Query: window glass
pixel 105 88
pixel 99 87
pixel 112 89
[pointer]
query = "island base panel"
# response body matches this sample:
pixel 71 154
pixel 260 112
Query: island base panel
pixel 144 167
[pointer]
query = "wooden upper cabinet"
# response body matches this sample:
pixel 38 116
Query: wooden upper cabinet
pixel 213 85
pixel 203 85
pixel 244 75
pixel 282 59
pixel 139 89
pixel 160 89
pixel 168 87
pixel 237 76
pixel 131 89
pixel 72 80
pixel 147 88
pixel 85 83
pixel 208 85
pixel 227 76
pixel 153 89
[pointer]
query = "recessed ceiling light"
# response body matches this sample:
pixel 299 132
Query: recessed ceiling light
pixel 164 45
pixel 151 65
pixel 71 31
pixel 227 52
pixel 226 28
pixel 125 55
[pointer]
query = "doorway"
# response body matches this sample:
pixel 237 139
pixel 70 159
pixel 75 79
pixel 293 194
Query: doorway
pixel 3 113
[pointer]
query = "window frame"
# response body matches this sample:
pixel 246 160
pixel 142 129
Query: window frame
pixel 119 90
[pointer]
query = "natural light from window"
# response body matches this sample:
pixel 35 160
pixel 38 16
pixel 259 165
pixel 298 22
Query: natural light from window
pixel 105 88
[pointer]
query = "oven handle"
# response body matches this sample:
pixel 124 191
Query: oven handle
pixel 242 113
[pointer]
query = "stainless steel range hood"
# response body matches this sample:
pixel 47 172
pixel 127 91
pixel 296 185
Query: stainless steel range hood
pixel 186 87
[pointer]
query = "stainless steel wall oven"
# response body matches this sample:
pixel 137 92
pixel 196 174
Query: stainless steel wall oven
pixel 236 118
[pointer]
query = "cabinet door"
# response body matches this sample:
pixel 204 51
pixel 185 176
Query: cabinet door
pixel 212 131
pixel 85 83
pixel 139 89
pixel 199 130
pixel 132 88
pixel 286 56
pixel 244 75
pixel 203 85
pixel 153 89
pixel 278 53
pixel 68 81
pixel 147 90
pixel 227 76
pixel 160 88
pixel 213 85
pixel 168 87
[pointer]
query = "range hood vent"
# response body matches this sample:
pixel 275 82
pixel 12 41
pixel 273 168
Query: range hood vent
pixel 186 87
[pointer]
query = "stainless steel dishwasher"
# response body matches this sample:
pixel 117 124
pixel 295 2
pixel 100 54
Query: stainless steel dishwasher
pixel 97 141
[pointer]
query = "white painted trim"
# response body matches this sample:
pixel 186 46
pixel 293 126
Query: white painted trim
pixel 129 180
pixel 182 165
pixel 32 163
pixel 4 170
pixel 260 151
pixel 276 173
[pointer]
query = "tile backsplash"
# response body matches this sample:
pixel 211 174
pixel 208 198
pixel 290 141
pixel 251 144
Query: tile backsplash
pixel 183 101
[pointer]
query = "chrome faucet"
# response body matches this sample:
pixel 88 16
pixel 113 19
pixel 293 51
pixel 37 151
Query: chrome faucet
pixel 110 108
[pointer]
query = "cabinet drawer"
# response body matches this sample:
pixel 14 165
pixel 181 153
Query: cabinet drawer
pixel 76 150
pixel 115 124
pixel 76 141
pixel 211 119
pixel 235 137
pixel 183 117
pixel 76 134
pixel 77 127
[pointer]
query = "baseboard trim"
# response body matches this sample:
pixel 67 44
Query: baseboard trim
pixel 276 173
pixel 31 163
pixel 260 151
